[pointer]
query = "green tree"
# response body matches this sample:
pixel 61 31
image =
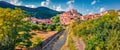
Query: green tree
pixel 11 26
pixel 55 19
pixel 36 41
pixel 99 34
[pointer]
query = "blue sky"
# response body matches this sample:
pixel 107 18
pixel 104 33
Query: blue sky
pixel 82 6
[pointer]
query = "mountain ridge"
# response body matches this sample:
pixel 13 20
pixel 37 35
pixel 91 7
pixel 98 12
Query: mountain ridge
pixel 39 12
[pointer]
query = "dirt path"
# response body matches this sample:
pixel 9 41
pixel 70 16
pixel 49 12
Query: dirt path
pixel 79 44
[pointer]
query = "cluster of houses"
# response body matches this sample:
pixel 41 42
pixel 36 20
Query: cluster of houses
pixel 68 16
pixel 39 21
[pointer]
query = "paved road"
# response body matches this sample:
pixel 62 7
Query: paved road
pixel 49 43
pixel 60 42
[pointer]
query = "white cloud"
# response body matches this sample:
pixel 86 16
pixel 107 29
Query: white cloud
pixel 87 10
pixel 15 2
pixel 31 6
pixel 58 8
pixel 45 3
pixel 53 7
pixel 102 9
pixel 90 13
pixel 70 4
pixel 93 2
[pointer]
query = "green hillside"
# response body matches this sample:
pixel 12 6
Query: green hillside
pixel 99 34
pixel 40 12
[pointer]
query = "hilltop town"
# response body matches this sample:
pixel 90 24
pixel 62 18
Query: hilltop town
pixel 59 25
pixel 68 16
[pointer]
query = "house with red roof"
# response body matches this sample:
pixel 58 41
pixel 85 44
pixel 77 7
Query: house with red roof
pixel 39 21
pixel 68 16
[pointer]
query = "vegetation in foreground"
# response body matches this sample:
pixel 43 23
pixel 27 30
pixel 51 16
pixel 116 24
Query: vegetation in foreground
pixel 15 31
pixel 99 34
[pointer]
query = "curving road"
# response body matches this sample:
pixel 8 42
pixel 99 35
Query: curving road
pixel 60 42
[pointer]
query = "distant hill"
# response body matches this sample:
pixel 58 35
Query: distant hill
pixel 40 12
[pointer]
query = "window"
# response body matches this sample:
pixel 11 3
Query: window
pixel 71 18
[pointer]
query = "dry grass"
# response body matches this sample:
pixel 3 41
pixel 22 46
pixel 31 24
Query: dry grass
pixel 43 35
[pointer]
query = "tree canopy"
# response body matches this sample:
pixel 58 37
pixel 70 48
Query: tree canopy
pixel 99 34
pixel 13 29
pixel 55 19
